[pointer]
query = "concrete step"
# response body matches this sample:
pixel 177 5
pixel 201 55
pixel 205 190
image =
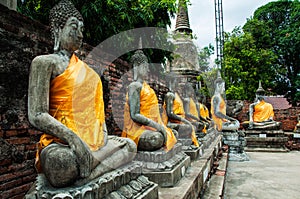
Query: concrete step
pixel 264 149
pixel 215 186
pixel 196 177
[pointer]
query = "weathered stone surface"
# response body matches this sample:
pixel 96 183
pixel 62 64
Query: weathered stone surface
pixel 165 168
pixel 236 142
pixel 272 140
pixel 125 182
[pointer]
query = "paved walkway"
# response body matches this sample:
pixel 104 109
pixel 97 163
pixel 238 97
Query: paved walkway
pixel 265 176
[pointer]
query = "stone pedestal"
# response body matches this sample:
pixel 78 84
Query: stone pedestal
pixel 165 168
pixel 266 140
pixel 236 143
pixel 208 138
pixel 124 182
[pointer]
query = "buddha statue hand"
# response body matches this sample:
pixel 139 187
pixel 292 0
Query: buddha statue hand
pixel 159 128
pixel 84 156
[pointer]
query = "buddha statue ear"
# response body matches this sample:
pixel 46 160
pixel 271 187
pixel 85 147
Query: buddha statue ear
pixel 134 73
pixel 57 35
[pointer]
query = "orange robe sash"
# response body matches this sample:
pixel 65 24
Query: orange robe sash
pixel 178 109
pixel 149 108
pixel 76 100
pixel 218 121
pixel 193 108
pixel 263 111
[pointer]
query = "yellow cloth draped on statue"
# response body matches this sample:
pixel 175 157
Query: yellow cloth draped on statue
pixel 263 111
pixel 218 121
pixel 76 100
pixel 203 111
pixel 178 109
pixel 193 108
pixel 149 108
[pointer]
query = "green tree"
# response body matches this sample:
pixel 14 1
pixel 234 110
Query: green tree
pixel 275 26
pixel 204 57
pixel 245 64
pixel 105 18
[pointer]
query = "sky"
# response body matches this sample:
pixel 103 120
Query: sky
pixel 202 17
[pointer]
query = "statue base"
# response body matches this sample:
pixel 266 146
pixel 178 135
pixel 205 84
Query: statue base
pixel 266 140
pixel 188 148
pixel 124 182
pixel 236 142
pixel 165 168
pixel 208 138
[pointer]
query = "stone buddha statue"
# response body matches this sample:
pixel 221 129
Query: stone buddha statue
pixel 65 101
pixel 191 109
pixel 175 114
pixel 218 108
pixel 142 120
pixel 203 112
pixel 261 113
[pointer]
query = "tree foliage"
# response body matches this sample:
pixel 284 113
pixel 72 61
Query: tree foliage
pixel 204 57
pixel 245 64
pixel 105 18
pixel 267 48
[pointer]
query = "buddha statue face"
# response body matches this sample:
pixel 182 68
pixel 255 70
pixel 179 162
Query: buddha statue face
pixel 142 70
pixel 70 37
pixel 220 87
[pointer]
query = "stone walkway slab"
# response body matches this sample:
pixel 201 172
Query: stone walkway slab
pixel 265 176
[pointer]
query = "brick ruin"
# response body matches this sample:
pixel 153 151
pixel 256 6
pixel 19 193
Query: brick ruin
pixel 21 40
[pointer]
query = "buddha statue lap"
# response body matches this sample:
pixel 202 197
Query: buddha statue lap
pixel 261 114
pixel 65 101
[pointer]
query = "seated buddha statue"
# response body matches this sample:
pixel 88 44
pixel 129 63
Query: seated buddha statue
pixel 175 114
pixel 203 112
pixel 65 101
pixel 142 119
pixel 191 109
pixel 222 121
pixel 261 114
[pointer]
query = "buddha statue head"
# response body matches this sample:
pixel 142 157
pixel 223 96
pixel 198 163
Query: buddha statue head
pixel 66 26
pixel 219 84
pixel 140 65
pixel 172 81
pixel 260 92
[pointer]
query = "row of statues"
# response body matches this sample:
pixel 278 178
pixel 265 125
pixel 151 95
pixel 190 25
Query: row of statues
pixel 65 101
